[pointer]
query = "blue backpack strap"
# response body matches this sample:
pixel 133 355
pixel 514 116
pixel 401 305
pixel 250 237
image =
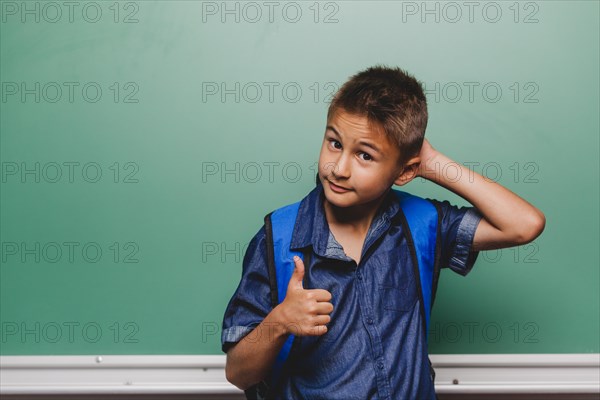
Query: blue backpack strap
pixel 279 226
pixel 422 218
pixel 422 221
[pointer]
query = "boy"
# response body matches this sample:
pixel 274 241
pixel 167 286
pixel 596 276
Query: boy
pixel 355 305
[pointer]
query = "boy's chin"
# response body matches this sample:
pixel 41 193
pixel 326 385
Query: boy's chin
pixel 341 200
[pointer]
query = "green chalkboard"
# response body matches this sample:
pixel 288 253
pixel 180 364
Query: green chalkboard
pixel 143 142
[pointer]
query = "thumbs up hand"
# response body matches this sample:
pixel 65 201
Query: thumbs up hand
pixel 305 312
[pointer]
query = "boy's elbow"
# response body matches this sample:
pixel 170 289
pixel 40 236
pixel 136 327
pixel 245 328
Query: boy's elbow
pixel 533 228
pixel 232 378
pixel 232 374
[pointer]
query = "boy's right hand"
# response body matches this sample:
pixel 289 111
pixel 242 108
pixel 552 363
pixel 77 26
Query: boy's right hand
pixel 305 311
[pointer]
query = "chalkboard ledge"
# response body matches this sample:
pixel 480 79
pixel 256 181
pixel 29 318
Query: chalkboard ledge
pixel 456 374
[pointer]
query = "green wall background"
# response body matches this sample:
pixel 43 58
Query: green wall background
pixel 186 176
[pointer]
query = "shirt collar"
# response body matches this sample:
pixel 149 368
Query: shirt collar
pixel 311 226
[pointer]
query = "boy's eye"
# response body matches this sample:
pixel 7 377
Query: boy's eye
pixel 369 158
pixel 334 142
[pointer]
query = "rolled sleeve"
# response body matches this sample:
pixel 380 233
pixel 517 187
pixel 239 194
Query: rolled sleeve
pixel 458 226
pixel 250 303
pixel 234 333
pixel 463 258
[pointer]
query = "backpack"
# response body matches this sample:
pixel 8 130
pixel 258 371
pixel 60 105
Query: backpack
pixel 420 220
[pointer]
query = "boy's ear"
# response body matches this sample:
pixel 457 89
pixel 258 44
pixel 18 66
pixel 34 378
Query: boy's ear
pixel 408 172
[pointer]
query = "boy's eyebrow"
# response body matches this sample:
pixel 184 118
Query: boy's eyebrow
pixel 372 146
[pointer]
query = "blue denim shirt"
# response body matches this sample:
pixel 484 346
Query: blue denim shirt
pixel 375 346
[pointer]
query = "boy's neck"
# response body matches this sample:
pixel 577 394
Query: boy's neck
pixel 356 218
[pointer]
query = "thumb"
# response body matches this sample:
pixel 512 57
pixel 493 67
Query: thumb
pixel 298 273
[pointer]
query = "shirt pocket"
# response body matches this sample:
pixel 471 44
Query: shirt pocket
pixel 395 299
pixel 393 268
pixel 395 280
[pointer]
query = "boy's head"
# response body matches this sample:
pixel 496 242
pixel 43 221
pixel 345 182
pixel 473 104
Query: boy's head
pixel 385 107
pixel 392 101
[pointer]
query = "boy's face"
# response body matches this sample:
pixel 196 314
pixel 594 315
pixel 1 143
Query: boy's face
pixel 359 159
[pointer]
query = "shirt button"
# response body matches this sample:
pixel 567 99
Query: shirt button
pixel 359 276
pixel 370 321
pixel 380 365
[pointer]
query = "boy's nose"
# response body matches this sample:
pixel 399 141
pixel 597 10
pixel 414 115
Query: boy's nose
pixel 341 168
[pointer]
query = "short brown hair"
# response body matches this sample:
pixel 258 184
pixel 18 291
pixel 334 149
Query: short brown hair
pixel 391 99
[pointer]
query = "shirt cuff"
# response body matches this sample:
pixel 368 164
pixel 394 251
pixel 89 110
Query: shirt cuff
pixel 233 334
pixel 463 259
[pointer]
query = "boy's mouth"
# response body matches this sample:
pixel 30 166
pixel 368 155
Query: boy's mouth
pixel 337 188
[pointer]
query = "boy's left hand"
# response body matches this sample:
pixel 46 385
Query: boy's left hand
pixel 427 155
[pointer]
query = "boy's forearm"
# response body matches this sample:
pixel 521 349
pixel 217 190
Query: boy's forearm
pixel 502 208
pixel 251 359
